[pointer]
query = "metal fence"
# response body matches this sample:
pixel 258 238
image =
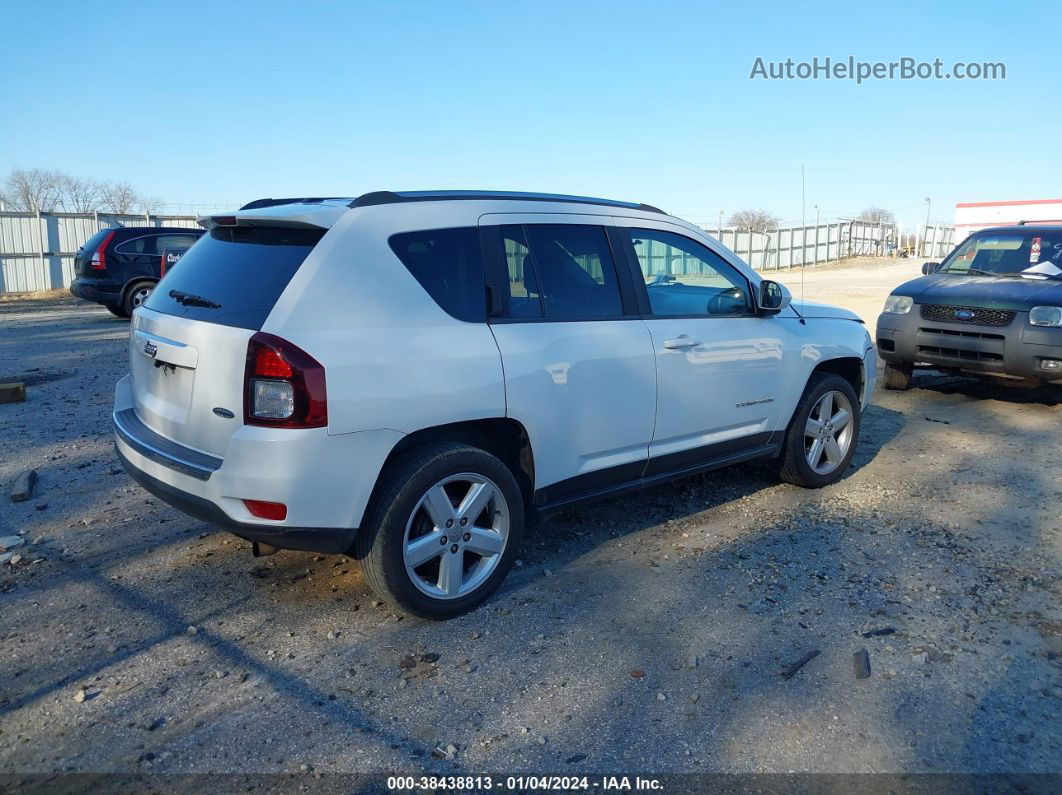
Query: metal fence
pixel 37 250
pixel 937 242
pixel 792 247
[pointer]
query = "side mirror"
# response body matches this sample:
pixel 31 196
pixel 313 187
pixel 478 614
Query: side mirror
pixel 772 297
pixel 930 267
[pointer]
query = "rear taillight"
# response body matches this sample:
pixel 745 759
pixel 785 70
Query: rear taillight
pixel 99 257
pixel 284 387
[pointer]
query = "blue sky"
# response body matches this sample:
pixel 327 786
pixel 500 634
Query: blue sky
pixel 224 102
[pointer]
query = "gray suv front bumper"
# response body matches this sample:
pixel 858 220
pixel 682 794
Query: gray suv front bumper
pixel 1016 349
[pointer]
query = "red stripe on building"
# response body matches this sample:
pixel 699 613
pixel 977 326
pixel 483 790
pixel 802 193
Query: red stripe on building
pixel 1009 204
pixel 1028 222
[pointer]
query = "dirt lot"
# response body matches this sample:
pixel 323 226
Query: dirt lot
pixel 648 633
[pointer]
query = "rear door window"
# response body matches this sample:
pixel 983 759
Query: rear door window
pixel 234 275
pixel 449 266
pixel 524 296
pixel 145 244
pixel 561 272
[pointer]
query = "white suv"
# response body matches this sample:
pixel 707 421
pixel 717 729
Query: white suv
pixel 405 377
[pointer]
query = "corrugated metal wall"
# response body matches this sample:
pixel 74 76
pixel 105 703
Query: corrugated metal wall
pixel 794 246
pixel 938 241
pixel 37 251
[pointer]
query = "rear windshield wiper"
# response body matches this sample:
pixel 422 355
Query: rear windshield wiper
pixel 187 299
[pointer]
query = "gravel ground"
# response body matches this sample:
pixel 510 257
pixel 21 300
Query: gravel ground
pixel 650 633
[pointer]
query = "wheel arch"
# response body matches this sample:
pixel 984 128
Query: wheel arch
pixel 135 280
pixel 850 368
pixel 503 437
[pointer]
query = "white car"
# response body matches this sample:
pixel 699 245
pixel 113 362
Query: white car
pixel 405 377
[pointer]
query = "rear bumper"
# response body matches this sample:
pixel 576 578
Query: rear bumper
pixel 1017 350
pixel 97 290
pixel 328 540
pixel 325 481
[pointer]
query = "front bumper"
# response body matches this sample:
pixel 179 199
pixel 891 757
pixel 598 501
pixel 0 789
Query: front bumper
pixel 1017 350
pixel 325 481
pixel 870 376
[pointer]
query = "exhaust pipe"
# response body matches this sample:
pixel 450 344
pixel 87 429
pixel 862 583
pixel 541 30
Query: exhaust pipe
pixel 263 550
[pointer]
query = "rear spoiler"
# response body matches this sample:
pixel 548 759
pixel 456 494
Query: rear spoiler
pixel 279 212
pixel 259 203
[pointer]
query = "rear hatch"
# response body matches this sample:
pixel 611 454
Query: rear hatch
pixel 84 254
pixel 188 347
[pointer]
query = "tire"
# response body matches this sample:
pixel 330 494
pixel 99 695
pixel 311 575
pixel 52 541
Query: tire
pixel 117 311
pixel 898 376
pixel 136 294
pixel 801 446
pixel 399 518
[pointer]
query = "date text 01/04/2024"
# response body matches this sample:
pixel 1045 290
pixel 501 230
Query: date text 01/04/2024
pixel 523 783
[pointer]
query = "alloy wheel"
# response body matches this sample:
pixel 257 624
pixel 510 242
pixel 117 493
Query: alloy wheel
pixel 456 536
pixel 828 432
pixel 140 295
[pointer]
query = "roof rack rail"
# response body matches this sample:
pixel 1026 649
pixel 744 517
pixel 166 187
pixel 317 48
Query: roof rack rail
pixel 1041 221
pixel 397 197
pixel 259 203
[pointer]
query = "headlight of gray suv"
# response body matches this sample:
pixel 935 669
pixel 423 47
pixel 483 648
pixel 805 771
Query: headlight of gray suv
pixel 1046 316
pixel 898 304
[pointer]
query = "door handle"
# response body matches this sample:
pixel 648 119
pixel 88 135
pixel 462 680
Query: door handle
pixel 685 341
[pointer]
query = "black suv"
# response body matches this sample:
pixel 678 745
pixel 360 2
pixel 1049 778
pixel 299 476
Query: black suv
pixel 119 266
pixel 993 307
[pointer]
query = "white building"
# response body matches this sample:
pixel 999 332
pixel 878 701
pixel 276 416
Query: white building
pixel 971 216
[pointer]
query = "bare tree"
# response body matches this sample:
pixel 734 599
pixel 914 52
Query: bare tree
pixel 32 190
pixel 80 195
pixel 877 215
pixel 120 198
pixel 48 190
pixel 150 204
pixel 756 220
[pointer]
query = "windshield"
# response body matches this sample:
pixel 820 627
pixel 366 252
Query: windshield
pixel 1010 254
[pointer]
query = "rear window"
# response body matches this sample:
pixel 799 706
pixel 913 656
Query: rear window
pixel 93 242
pixel 233 276
pixel 449 266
